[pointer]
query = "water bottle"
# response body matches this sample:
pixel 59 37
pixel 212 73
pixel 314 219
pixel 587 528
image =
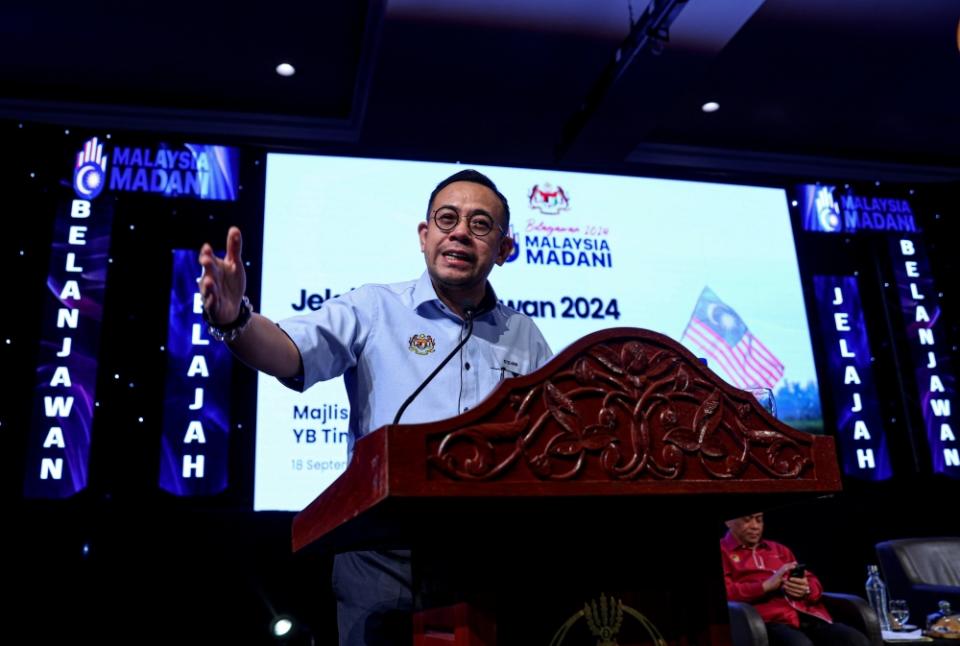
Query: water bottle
pixel 877 596
pixel 933 618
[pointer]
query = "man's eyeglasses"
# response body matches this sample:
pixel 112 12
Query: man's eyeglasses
pixel 480 224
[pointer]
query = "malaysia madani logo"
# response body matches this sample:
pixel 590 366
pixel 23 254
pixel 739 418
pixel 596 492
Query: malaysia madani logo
pixel 90 173
pixel 422 344
pixel 828 211
pixel 516 245
pixel 548 199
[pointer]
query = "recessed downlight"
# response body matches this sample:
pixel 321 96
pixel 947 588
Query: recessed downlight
pixel 710 106
pixel 286 69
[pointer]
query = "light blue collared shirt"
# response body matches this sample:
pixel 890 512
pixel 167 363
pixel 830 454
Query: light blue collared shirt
pixel 386 339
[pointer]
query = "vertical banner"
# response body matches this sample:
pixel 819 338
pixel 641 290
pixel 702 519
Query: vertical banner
pixel 194 451
pixel 58 449
pixel 936 382
pixel 860 433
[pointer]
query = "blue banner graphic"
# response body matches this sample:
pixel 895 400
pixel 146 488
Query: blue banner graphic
pixel 194 453
pixel 192 170
pixel 860 434
pixel 831 209
pixel 931 358
pixel 58 449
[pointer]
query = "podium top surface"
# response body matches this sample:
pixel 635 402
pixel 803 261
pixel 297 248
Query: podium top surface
pixel 622 414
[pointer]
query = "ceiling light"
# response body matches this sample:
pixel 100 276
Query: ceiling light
pixel 281 626
pixel 286 69
pixel 710 106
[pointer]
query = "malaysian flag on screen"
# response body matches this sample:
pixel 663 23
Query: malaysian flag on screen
pixel 717 332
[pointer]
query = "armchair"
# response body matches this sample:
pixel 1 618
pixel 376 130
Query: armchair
pixel 748 629
pixel 923 571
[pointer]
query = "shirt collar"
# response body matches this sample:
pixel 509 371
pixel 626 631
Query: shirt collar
pixel 423 292
pixel 731 543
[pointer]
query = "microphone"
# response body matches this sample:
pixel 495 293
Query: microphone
pixel 468 313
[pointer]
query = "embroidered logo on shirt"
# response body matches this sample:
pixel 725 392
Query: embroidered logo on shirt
pixel 422 344
pixel 735 558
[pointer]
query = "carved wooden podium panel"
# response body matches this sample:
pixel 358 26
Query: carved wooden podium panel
pixel 624 447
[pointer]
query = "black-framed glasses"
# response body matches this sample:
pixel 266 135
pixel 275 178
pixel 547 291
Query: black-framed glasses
pixel 480 224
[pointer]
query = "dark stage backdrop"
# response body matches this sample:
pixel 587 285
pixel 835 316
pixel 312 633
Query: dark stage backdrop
pixel 130 494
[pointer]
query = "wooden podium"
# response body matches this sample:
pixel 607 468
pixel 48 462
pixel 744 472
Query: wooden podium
pixel 579 504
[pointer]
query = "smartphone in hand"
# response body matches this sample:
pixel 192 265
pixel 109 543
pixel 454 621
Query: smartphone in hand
pixel 799 571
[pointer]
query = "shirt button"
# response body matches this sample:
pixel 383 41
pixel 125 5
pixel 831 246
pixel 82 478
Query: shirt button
pixel 467 365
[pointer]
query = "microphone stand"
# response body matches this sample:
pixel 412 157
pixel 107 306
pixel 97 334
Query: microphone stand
pixel 468 315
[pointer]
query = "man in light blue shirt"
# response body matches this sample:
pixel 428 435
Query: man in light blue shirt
pixel 386 340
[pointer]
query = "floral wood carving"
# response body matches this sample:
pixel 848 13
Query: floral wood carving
pixel 627 410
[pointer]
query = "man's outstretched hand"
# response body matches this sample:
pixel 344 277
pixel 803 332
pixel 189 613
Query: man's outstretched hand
pixel 224 281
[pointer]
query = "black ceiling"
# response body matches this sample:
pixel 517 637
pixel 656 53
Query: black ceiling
pixel 864 88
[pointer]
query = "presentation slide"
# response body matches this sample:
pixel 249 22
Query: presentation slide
pixel 711 265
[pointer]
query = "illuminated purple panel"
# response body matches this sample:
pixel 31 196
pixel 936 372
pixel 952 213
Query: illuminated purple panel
pixel 196 423
pixel 59 442
pixel 200 171
pixel 932 363
pixel 831 209
pixel 818 208
pixel 223 167
pixel 860 433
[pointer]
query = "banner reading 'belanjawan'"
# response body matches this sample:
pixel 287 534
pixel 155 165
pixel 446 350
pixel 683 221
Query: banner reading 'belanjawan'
pixel 935 378
pixel 58 448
